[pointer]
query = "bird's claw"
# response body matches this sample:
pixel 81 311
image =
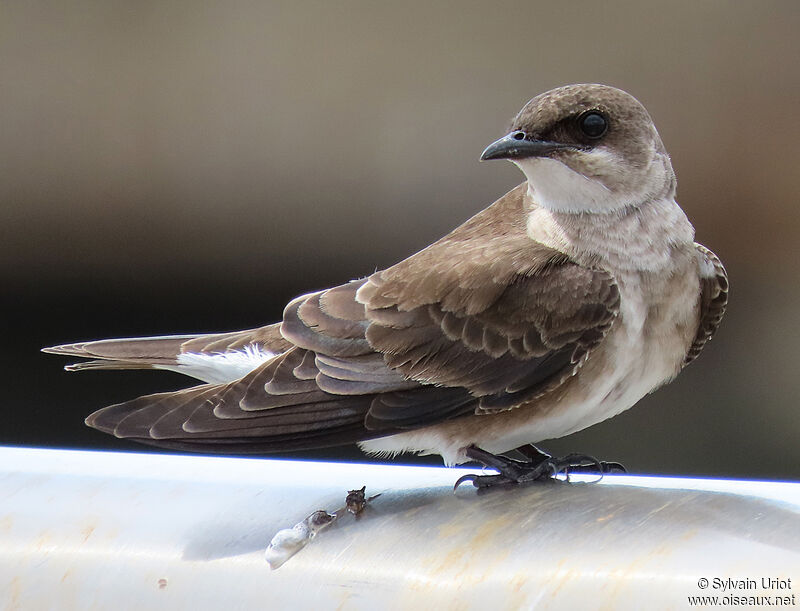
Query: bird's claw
pixel 484 481
pixel 471 477
pixel 539 466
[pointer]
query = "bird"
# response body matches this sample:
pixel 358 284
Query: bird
pixel 560 305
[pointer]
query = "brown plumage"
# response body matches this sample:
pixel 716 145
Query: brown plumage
pixel 493 317
pixel 155 352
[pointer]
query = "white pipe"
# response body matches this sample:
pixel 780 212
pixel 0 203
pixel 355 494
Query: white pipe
pixel 99 530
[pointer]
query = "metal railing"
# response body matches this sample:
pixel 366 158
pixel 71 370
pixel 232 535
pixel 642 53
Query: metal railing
pixel 98 530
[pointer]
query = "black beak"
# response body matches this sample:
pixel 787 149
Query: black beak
pixel 516 146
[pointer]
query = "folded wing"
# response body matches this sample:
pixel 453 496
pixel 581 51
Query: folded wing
pixel 713 299
pixel 483 320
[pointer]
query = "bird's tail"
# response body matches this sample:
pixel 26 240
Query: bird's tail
pixel 214 358
pixel 125 353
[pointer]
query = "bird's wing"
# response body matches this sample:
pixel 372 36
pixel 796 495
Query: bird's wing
pixel 297 400
pixel 713 299
pixel 535 334
pixel 482 320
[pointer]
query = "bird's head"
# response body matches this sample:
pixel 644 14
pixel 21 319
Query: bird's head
pixel 587 148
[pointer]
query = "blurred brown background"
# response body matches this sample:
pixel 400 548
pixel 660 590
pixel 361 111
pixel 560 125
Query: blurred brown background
pixel 190 166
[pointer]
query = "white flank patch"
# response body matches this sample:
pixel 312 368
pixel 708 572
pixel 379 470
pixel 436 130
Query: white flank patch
pixel 221 367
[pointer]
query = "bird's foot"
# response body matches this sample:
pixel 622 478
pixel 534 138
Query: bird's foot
pixel 537 466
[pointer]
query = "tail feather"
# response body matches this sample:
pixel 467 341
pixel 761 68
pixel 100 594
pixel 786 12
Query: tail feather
pixel 214 358
pixel 99 364
pixel 134 350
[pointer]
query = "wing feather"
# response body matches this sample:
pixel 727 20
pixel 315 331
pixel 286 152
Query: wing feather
pixel 713 299
pixel 483 320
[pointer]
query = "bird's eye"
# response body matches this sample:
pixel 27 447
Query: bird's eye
pixel 593 124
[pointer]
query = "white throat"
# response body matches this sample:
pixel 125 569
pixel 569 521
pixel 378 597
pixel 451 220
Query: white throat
pixel 555 186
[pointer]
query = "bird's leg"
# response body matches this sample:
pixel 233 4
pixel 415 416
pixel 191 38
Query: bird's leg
pixel 537 466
